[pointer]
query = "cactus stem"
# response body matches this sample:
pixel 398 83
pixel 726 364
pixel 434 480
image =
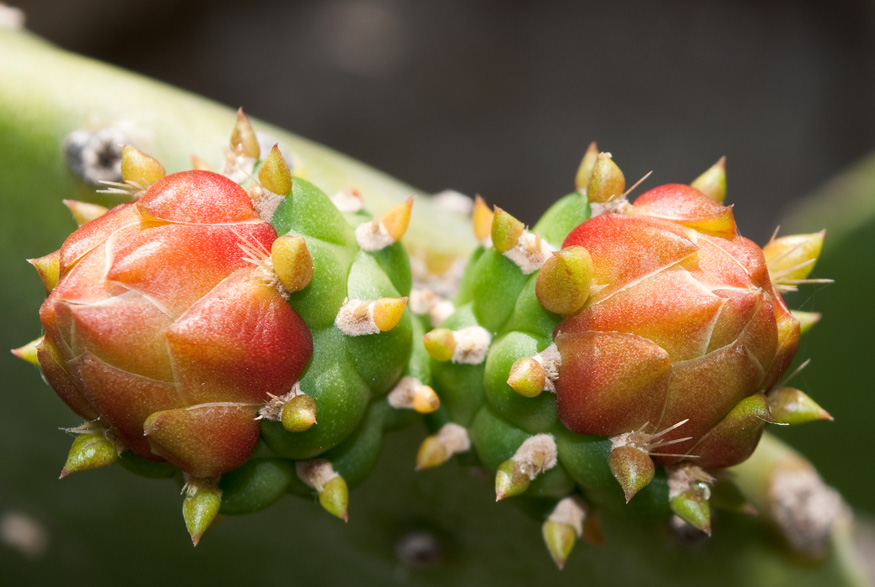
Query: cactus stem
pixel 28 352
pixel 201 505
pixel 438 448
pixel 563 527
pixel 689 488
pixel 481 218
pixel 712 182
pixel 49 269
pixel 359 317
pixel 803 508
pixel 792 406
pixel 534 456
pixel 584 171
pixel 411 394
pixel 84 212
pixel 333 492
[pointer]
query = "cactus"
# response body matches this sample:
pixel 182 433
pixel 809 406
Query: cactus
pixel 436 522
pixel 175 322
pixel 659 330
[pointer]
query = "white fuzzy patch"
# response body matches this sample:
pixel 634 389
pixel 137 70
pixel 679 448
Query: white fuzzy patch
pixel 471 345
pixel 373 236
pixel 315 473
pixel 453 201
pixel 615 206
pixel 356 318
pixel 530 252
pixel 453 438
pixel 401 396
pixel 347 201
pixel 536 455
pixel 550 361
pixel 570 511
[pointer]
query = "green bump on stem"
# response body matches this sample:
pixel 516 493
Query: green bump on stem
pixel 586 165
pixel 334 498
pixel 299 413
pixel 527 377
pixel 89 451
pixel 792 406
pixel 607 181
pixel 510 481
pixel 633 468
pixel 564 281
pixel 200 507
pixel 506 231
pixel 559 538
pixel 693 509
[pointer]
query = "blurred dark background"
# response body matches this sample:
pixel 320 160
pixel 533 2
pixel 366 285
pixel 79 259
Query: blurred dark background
pixel 501 97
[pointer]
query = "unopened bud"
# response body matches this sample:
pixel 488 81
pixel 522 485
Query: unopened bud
pixel 83 212
pixel 437 449
pixel 397 219
pixel 49 269
pixel 506 231
pixel 244 142
pixel 28 352
pixel 299 413
pixel 139 169
pixel 632 468
pixel 201 505
pixel 791 406
pixel 712 182
pixel 387 312
pixel 527 377
pixel 586 164
pixel 607 182
pixel 292 262
pixel 481 218
pixel 274 173
pixel 790 259
pixel 564 281
pixel 440 344
pixel 535 456
pixel 89 451
pixel 806 320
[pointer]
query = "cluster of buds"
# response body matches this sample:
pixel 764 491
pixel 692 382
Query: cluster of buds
pixel 666 335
